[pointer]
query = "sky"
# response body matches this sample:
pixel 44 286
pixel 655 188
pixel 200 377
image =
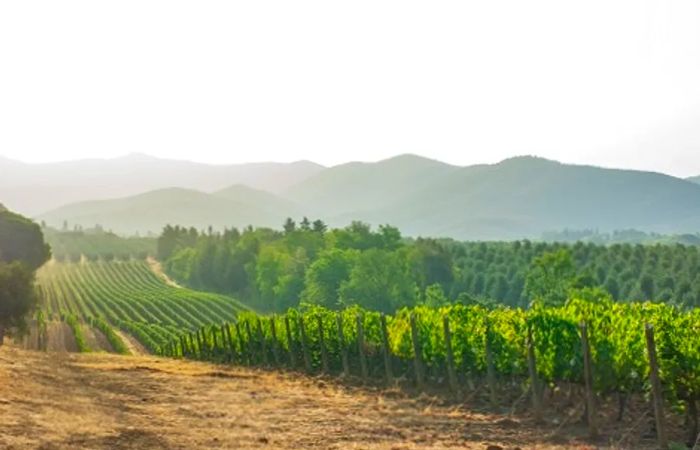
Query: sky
pixel 612 83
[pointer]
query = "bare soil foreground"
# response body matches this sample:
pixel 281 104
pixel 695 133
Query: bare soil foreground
pixel 59 400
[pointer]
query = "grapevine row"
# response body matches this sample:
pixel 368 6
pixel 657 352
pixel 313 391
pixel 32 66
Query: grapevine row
pixel 462 346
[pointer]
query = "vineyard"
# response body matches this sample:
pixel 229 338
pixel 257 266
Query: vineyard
pixel 131 297
pixel 470 348
pixel 588 351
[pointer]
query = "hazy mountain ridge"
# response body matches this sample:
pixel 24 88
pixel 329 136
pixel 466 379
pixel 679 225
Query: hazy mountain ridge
pixel 518 197
pixel 36 188
pixel 150 211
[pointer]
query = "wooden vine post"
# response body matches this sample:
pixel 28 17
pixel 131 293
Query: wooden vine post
pixel 386 351
pixel 226 330
pixel 191 345
pixel 417 353
pixel 490 368
pixel 200 341
pixel 185 348
pixel 263 344
pixel 245 356
pixel 534 381
pixel 304 345
pixel 656 391
pixel 342 345
pixel 450 357
pixel 588 380
pixel 237 344
pixel 275 342
pixel 361 347
pixel 322 342
pixel 290 343
pixel 252 357
pixel 215 340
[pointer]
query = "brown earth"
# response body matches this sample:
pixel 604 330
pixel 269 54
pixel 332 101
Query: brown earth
pixel 96 340
pixel 134 346
pixel 157 268
pixel 102 401
pixel 60 337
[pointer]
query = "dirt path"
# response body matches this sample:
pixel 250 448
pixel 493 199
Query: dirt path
pixel 157 268
pixel 96 340
pixel 134 346
pixel 60 337
pixel 102 401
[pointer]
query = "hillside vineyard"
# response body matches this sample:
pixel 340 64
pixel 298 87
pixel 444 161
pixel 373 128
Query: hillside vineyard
pixel 130 296
pixel 494 351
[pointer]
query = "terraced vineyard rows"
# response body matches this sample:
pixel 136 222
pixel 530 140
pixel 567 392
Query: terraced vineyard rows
pixel 128 295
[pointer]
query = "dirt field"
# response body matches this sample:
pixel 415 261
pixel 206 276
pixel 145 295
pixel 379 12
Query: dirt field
pixel 100 401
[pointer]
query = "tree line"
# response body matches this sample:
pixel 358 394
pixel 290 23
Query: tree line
pixel 379 269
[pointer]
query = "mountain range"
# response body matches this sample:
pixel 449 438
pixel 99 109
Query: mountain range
pixel 36 188
pixel 518 197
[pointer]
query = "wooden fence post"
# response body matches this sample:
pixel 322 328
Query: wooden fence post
pixel 490 368
pixel 322 343
pixel 656 391
pixel 588 379
pixel 275 342
pixel 417 353
pixel 361 347
pixel 534 381
pixel 450 357
pixel 343 347
pixel 304 345
pixel 290 343
pixel 386 351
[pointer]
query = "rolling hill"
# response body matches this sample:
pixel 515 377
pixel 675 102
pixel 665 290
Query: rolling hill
pixel 33 189
pixel 151 211
pixel 516 198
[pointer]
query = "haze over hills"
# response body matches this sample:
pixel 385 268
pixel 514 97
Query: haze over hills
pixel 32 189
pixel 516 198
pixel 151 211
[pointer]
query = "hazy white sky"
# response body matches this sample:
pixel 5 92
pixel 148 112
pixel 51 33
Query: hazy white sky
pixel 614 83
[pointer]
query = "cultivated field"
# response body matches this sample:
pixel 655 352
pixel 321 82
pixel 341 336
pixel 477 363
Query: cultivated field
pixel 58 400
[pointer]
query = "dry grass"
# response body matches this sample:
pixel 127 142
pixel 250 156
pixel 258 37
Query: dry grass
pixel 102 401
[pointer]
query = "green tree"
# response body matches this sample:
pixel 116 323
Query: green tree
pixel 325 276
pixel 22 251
pixel 379 280
pixel 550 278
pixel 17 295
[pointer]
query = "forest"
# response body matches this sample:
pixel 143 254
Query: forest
pixel 379 269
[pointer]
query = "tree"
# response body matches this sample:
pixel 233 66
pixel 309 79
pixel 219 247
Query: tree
pixel 435 296
pixel 319 226
pixel 431 264
pixel 22 251
pixel 17 295
pixel 289 226
pixel 22 240
pixel 325 276
pixel 379 280
pixel 550 278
